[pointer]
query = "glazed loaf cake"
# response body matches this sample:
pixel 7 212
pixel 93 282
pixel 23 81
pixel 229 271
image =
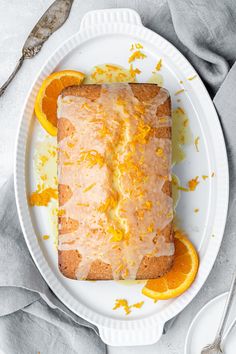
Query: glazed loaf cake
pixel 114 174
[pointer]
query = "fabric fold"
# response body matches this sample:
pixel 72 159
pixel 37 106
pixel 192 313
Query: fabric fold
pixel 26 298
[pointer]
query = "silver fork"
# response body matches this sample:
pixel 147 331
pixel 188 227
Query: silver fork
pixel 215 347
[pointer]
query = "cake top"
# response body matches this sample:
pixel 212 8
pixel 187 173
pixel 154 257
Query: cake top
pixel 113 164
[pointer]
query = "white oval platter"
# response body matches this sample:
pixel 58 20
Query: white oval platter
pixel 105 36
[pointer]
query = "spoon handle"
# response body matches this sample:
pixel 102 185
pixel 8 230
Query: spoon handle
pixel 227 306
pixel 52 19
pixel 11 77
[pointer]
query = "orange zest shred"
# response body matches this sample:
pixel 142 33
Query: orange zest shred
pixel 89 187
pixel 68 163
pixel 112 67
pixel 138 305
pixel 117 234
pixel 180 110
pixel 104 131
pixel 150 228
pixel 148 205
pixel 43 159
pixel 204 177
pixel 44 177
pixel 134 72
pixel 87 107
pixel 70 145
pixel 159 65
pixel 136 45
pixel 196 143
pixel 186 122
pixel 109 203
pixel 159 152
pixel 122 303
pixel 183 189
pixel 132 47
pixel 83 204
pixel 178 92
pixel 45 237
pixel 192 184
pixel 127 308
pixel 43 198
pixel 136 55
pixel 98 71
pixel 92 157
pixel 142 135
pixel 192 77
pixel 120 102
pixel 61 212
pixel 139 107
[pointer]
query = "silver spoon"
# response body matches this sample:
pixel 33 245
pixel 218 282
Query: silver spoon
pixel 51 20
pixel 216 346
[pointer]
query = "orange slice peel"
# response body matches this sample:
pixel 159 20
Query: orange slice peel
pixel 181 275
pixel 46 100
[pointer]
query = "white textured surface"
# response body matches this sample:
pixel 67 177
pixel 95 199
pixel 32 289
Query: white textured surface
pixel 16 19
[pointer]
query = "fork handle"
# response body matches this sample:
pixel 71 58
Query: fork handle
pixel 11 77
pixel 227 306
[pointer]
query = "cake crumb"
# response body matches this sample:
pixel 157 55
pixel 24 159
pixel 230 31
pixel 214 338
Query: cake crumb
pixel 196 210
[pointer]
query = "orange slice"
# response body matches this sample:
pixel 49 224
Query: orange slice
pixel 46 100
pixel 181 275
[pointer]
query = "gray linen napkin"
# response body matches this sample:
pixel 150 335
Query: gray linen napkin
pixel 32 319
